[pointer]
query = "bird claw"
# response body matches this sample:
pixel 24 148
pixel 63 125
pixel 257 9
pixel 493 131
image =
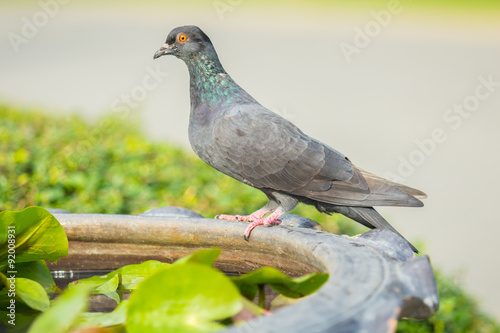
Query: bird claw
pixel 265 222
pixel 255 219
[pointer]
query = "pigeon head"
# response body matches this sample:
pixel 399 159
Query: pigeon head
pixel 187 43
pixel 209 82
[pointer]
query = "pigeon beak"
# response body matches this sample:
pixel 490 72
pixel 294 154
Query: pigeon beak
pixel 165 49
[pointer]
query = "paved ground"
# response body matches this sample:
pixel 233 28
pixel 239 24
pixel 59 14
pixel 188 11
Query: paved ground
pixel 418 98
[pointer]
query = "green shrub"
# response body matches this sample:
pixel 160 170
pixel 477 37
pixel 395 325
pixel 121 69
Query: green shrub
pixel 110 167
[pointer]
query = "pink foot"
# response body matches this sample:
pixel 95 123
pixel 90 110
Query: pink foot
pixel 267 221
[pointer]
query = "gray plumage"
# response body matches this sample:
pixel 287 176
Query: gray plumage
pixel 236 135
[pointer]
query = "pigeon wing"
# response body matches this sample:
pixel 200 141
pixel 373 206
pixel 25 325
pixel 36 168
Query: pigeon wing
pixel 264 150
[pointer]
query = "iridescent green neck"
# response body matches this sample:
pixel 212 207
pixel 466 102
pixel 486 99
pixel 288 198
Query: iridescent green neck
pixel 211 85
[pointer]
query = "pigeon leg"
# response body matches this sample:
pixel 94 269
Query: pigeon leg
pixel 247 218
pixel 268 221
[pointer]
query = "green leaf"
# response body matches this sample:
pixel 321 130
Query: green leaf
pixel 28 291
pixel 127 276
pixel 100 284
pixel 133 274
pixel 114 296
pixel 32 294
pixel 204 257
pixel 101 319
pixel 22 320
pixel 64 311
pixel 281 283
pixel 109 286
pixel 39 272
pixel 33 234
pixel 186 297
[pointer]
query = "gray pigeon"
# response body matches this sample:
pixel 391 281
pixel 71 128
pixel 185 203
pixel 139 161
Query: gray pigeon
pixel 232 132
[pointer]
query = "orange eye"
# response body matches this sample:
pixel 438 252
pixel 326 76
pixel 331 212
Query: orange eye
pixel 182 38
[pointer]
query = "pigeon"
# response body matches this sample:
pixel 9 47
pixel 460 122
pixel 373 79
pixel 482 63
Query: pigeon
pixel 230 131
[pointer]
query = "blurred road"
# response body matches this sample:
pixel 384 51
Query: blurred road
pixel 402 92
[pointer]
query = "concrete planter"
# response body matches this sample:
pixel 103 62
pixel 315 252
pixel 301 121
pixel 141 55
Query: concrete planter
pixel 374 277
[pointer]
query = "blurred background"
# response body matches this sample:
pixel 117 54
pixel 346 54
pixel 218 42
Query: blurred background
pixel 409 90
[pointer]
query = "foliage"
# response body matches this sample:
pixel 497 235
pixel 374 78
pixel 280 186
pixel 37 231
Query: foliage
pixel 27 239
pixel 281 283
pixel 65 310
pixel 34 235
pixel 196 297
pixel 111 168
pixel 186 296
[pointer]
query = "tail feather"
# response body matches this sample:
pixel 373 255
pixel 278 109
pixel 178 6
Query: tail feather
pixel 409 190
pixel 363 190
pixel 370 218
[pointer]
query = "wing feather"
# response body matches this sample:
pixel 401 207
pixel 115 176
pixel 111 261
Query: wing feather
pixel 264 150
